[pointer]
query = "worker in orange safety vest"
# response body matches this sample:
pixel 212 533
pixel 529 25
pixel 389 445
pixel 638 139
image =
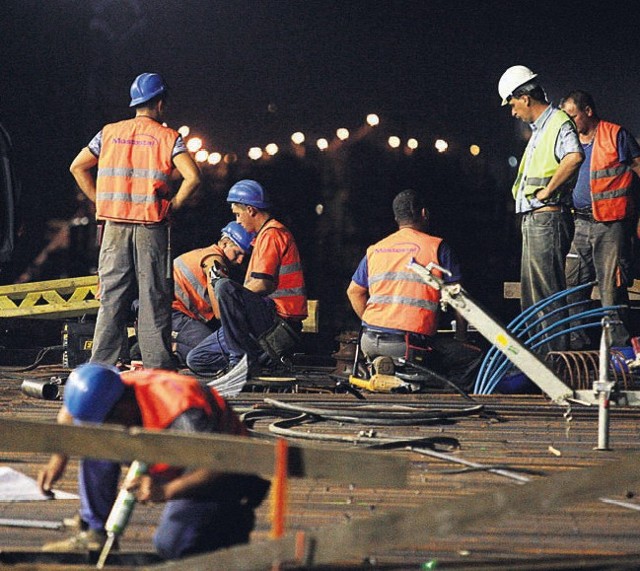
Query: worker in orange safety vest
pixel 605 214
pixel 399 311
pixel 195 309
pixel 272 300
pixel 205 509
pixel 136 161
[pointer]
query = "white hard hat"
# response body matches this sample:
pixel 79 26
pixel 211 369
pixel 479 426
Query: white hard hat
pixel 514 77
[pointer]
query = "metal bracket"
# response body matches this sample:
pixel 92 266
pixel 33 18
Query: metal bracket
pixel 520 355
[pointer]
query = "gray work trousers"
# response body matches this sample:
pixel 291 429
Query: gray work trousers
pixel 599 251
pixel 133 264
pixel 545 243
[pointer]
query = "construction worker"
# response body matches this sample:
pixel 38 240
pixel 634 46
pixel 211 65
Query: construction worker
pixel 542 190
pixel 273 299
pixel 194 306
pixel 399 312
pixel 136 159
pixel 604 212
pixel 205 510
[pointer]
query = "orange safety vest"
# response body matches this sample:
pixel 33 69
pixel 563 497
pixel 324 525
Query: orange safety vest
pixel 611 181
pixel 275 253
pixel 163 396
pixel 399 298
pixel 191 296
pixel 134 170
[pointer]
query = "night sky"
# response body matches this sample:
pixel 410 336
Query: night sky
pixel 249 72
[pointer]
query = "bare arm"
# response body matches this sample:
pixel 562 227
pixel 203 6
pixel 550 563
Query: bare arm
pixel 568 167
pixel 260 286
pixel 54 470
pixel 358 297
pixel 81 169
pixel 190 179
pixel 189 484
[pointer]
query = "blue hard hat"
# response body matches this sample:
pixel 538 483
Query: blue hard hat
pixel 145 87
pixel 91 391
pixel 239 236
pixel 249 192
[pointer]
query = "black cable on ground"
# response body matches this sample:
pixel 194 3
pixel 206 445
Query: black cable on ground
pixel 368 440
pixel 374 415
pixel 39 357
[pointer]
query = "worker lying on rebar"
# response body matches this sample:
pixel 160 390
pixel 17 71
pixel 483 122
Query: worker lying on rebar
pixel 194 306
pixel 399 311
pixel 205 510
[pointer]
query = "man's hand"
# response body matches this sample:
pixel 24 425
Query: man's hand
pixel 543 194
pixel 146 489
pixel 217 272
pixel 52 473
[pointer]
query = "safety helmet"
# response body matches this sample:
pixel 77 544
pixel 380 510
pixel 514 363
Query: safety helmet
pixel 516 76
pixel 239 236
pixel 249 192
pixel 145 87
pixel 91 391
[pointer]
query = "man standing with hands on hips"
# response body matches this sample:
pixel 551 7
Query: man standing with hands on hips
pixel 136 159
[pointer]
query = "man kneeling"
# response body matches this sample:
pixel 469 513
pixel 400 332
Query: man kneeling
pixel 205 510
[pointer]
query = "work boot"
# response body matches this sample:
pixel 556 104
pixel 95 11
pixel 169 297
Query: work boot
pixel 82 542
pixel 75 523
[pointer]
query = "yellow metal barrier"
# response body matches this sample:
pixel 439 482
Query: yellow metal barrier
pixel 53 299
pixel 74 297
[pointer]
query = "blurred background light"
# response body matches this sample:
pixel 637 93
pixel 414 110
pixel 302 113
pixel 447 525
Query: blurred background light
pixel 441 145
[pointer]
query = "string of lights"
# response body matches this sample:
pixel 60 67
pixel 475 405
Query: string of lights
pixel 212 157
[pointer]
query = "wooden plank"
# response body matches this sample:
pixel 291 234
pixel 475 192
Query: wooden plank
pixel 222 452
pixel 511 290
pixel 435 518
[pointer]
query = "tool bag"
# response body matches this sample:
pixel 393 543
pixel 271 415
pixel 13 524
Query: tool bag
pixel 278 340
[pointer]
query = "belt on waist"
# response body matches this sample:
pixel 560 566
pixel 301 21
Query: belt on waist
pixel 551 208
pixel 584 214
pixel 384 335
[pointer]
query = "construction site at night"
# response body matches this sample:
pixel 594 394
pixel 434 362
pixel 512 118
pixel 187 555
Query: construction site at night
pixel 380 478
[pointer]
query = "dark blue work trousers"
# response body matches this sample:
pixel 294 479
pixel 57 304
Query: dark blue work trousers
pixel 187 526
pixel 244 316
pixel 187 333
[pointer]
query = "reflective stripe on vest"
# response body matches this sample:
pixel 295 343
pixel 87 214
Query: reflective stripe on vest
pixel 543 163
pixel 290 296
pixel 191 295
pixel 162 396
pixel 134 170
pixel 398 298
pixel 611 181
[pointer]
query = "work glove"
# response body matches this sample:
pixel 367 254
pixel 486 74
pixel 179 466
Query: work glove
pixel 216 273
